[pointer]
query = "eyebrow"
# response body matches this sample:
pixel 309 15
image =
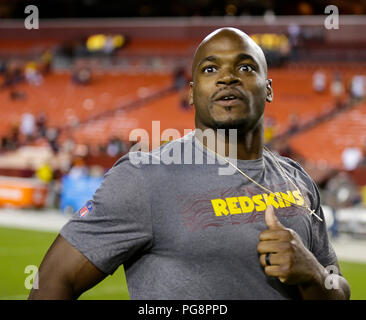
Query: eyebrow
pixel 239 57
pixel 209 58
pixel 244 56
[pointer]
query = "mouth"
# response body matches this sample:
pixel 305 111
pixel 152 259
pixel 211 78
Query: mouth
pixel 228 98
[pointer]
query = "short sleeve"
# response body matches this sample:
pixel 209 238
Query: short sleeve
pixel 116 224
pixel 320 245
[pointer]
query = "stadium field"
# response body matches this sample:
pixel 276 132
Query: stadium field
pixel 20 248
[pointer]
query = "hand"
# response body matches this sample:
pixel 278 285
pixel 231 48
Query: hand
pixel 291 261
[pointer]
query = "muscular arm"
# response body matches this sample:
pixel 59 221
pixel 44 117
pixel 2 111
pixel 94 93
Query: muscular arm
pixel 65 273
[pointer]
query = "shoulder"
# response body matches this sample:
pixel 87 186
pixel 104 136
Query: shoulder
pixel 171 151
pixel 289 165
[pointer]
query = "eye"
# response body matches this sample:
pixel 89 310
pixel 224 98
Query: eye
pixel 209 69
pixel 246 68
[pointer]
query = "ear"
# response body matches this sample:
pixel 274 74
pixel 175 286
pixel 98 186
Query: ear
pixel 191 93
pixel 269 89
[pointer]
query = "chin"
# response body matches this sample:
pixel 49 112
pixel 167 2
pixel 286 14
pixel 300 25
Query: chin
pixel 231 124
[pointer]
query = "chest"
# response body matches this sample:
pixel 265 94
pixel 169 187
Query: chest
pixel 221 220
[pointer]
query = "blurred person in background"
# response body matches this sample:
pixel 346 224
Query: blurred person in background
pixel 28 126
pixel 337 88
pixel 32 74
pixel 3 66
pixel 293 123
pixel 78 169
pixel 52 136
pixel 340 192
pixel 44 172
pixel 363 151
pixel 11 141
pixel 68 145
pixel 184 101
pixel 48 176
pixel 351 156
pixel 357 89
pixel 46 62
pixel 180 83
pixel 116 147
pixel 319 81
pixel 4 145
pixel 41 124
pixel 82 74
pixel 179 78
pixel 13 74
pixel 294 34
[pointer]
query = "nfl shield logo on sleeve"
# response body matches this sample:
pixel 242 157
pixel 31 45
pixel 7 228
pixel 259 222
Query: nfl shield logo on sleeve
pixel 86 209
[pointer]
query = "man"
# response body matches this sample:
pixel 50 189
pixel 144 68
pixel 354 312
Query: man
pixel 183 231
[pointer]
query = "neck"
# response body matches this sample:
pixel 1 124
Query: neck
pixel 248 144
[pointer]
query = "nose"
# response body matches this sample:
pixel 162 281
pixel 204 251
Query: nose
pixel 228 78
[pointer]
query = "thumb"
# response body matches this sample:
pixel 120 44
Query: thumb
pixel 271 219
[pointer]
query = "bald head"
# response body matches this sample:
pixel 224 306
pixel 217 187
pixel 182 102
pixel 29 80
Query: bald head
pixel 225 39
pixel 230 86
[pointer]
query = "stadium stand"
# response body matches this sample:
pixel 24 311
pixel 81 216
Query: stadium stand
pixel 66 103
pixel 165 109
pixel 294 94
pixel 325 143
pixel 99 106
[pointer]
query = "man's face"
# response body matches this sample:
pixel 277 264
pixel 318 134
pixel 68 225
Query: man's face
pixel 229 88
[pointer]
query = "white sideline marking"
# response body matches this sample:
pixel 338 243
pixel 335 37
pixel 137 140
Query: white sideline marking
pixel 348 249
pixel 51 221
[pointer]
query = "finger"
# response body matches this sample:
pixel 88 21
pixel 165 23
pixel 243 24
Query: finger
pixel 272 246
pixel 278 234
pixel 271 219
pixel 276 271
pixel 274 258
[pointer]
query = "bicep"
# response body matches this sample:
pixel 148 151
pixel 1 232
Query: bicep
pixel 65 273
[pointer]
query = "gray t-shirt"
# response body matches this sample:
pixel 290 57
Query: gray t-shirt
pixel 182 231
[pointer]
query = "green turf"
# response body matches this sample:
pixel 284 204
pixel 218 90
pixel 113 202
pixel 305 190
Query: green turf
pixel 19 248
pixel 355 273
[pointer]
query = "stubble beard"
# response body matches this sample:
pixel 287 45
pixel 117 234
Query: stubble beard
pixel 240 124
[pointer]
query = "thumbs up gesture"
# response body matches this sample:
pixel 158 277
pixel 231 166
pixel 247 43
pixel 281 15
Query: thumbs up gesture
pixel 287 257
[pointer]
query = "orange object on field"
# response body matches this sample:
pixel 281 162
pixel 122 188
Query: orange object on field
pixel 22 193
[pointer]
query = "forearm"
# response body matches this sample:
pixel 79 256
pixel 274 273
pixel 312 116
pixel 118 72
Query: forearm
pixel 322 288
